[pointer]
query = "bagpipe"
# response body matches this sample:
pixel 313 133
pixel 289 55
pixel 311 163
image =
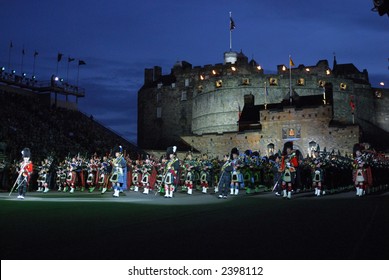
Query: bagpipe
pixel 116 170
pixel 223 171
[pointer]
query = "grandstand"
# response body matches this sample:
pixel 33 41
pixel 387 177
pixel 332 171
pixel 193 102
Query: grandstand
pixel 29 119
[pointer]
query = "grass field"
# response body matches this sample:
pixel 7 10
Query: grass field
pixel 89 226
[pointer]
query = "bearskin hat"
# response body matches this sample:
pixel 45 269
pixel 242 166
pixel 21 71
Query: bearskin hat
pixel 26 153
pixel 171 150
pixel 288 144
pixel 255 154
pixel 357 147
pixel 118 149
pixel 234 151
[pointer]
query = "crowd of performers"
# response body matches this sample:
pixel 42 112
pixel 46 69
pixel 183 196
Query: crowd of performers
pixel 285 173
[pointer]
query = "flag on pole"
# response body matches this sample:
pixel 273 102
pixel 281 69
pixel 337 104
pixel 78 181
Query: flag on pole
pixel 59 57
pixel 352 104
pixel 232 24
pixel 35 53
pixel 11 45
pixel 291 63
pixel 71 59
pixel 23 52
pixel 81 62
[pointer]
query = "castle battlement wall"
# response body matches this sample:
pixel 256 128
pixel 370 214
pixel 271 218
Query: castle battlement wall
pixel 208 99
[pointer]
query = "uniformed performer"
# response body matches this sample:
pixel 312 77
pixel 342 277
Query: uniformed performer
pixel 104 171
pixel 119 171
pixel 317 173
pixel 362 173
pixel 189 167
pixel 92 169
pixel 225 177
pixel 171 171
pixel 136 178
pixel 146 170
pixel 25 171
pixel 71 177
pixel 206 173
pixel 42 176
pixel 237 176
pixel 289 162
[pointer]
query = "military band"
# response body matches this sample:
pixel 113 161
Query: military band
pixel 321 173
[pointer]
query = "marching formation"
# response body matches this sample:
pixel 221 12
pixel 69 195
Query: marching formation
pixel 285 173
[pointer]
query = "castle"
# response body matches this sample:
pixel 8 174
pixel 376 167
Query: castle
pixel 212 108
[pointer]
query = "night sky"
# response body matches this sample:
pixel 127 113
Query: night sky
pixel 119 38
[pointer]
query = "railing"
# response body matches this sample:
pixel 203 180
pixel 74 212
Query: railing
pixel 41 86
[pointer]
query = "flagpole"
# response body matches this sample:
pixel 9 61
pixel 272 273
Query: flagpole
pixel 78 73
pixel 230 32
pixel 67 70
pixel 9 56
pixel 22 61
pixel 33 65
pixel 290 79
pixel 265 96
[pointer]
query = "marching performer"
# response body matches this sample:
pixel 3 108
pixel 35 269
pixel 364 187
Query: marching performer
pixel 171 171
pixel 26 169
pixel 72 176
pixel 317 173
pixel 146 173
pixel 136 175
pixel 104 171
pixel 206 173
pixel 189 167
pixel 237 176
pixel 42 176
pixel 61 176
pixel 92 168
pixel 119 171
pixel 225 177
pixel 288 166
pixel 362 173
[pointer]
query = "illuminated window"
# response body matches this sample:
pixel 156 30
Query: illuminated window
pixel 322 83
pixel 200 88
pixel 173 85
pixel 343 86
pixel 273 81
pixel 186 82
pixel 301 82
pixel 159 85
pixel 245 81
pixel 219 83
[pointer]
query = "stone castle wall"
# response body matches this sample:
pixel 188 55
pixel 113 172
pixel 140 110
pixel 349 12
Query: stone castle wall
pixel 206 100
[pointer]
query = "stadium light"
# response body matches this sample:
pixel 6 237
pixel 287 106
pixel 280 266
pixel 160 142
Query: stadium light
pixel 2 69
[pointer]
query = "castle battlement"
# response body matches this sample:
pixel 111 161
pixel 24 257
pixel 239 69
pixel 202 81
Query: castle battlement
pixel 210 99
